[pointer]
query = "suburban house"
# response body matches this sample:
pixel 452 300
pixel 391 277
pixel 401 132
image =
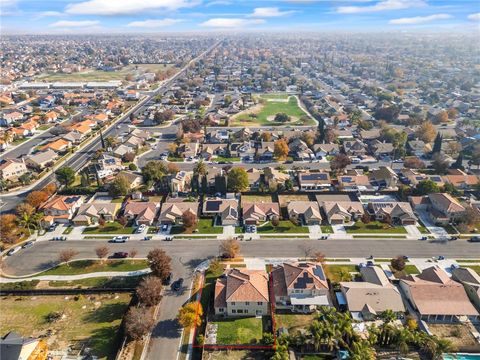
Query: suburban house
pixel 304 212
pixel 13 346
pixel 300 287
pixel 367 299
pixel 322 150
pixel 265 151
pixel 108 165
pixel 241 292
pixel 41 160
pixel 12 169
pixel 461 180
pixel 255 213
pixel 90 213
pixel 254 178
pixel 399 213
pixel 59 145
pixel 418 148
pixel 471 282
pixel 141 212
pixel 381 149
pixel 173 210
pixel 354 183
pixel 224 210
pixel 444 208
pixel 314 181
pixel 134 179
pixel 188 150
pixel 342 212
pixel 436 297
pixel 181 181
pixel 272 175
pixel 209 150
pixel 384 177
pixel 60 208
pixel 354 148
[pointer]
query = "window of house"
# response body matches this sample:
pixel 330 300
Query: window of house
pixel 239 311
pixel 259 303
pixel 220 309
pixel 247 302
pixel 234 311
pixel 233 302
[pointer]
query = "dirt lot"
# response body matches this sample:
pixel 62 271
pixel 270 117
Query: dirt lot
pixel 92 321
pixel 255 199
pixel 285 199
pixel 235 355
pixel 458 334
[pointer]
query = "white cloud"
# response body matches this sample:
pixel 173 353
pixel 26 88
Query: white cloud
pixel 474 17
pixel 231 23
pixel 74 24
pixel 263 12
pixel 154 23
pixel 218 2
pixel 44 14
pixel 8 7
pixel 384 5
pixel 125 7
pixel 419 19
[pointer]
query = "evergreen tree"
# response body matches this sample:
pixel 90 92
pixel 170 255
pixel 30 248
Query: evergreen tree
pixel 437 144
pixel 321 130
pixel 458 164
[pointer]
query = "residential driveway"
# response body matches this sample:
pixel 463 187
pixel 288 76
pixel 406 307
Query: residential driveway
pixel 413 231
pixel 315 231
pixel 339 230
pixel 437 231
pixel 228 231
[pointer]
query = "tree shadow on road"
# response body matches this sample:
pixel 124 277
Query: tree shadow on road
pixel 167 329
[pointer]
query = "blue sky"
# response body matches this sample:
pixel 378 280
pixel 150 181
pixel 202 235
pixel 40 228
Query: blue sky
pixel 122 16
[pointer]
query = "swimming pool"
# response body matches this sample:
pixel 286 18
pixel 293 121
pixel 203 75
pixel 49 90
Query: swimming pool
pixel 461 357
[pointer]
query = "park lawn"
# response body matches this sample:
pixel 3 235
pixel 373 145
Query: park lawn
pixel 94 321
pixel 239 331
pixel 293 322
pixel 326 229
pixel 284 226
pixel 266 111
pixel 204 226
pixel 99 282
pixel 334 272
pixel 374 227
pixel 109 228
pixel 91 266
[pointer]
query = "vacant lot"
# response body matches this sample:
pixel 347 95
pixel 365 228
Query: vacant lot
pixel 90 266
pixel 236 355
pixel 99 75
pixel 264 113
pixel 374 227
pixel 93 321
pixel 255 199
pixel 458 334
pixel 239 331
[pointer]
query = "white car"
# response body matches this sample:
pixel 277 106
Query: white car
pixel 120 239
pixel 141 228
pixel 14 250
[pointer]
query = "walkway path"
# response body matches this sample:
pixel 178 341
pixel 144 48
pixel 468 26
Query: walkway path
pixel 77 277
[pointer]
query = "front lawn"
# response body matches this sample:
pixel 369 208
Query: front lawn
pixel 109 228
pixel 239 331
pixel 175 159
pixel 423 230
pixel 68 230
pixel 326 229
pixel 88 321
pixel 374 227
pixel 204 226
pixel 90 266
pixel 226 159
pixel 284 227
pixel 450 229
pixel 337 273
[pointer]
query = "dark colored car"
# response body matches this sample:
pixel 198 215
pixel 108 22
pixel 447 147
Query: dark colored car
pixel 120 255
pixel 453 238
pixel 28 244
pixel 370 263
pixel 177 285
pixel 475 239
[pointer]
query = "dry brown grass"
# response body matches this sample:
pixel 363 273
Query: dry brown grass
pixel 459 334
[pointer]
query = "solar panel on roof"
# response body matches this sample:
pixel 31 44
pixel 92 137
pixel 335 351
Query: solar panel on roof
pixel 436 178
pixel 213 205
pixel 318 271
pixel 302 282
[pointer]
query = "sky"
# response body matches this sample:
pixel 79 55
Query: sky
pixel 147 16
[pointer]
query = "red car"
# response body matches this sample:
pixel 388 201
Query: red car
pixel 120 255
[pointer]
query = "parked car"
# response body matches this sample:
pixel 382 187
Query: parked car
pixel 14 250
pixel 474 239
pixel 423 238
pixel 146 238
pixel 141 228
pixel 28 244
pixel 441 257
pixel 454 266
pixel 164 227
pixel 177 285
pixel 120 255
pixel 168 238
pixel 53 227
pixel 453 238
pixel 370 263
pixel 119 239
pixel 59 238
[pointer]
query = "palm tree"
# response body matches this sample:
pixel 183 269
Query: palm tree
pixel 29 221
pixel 200 168
pixel 388 316
pixel 362 350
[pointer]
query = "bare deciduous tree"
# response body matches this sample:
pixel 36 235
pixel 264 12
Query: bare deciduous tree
pixel 229 248
pixel 138 323
pixel 102 252
pixel 66 255
pixel 149 291
pixel 160 263
pixel 132 253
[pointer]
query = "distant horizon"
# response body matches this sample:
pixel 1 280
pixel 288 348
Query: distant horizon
pixel 30 17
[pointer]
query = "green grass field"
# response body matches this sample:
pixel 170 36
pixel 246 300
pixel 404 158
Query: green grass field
pixel 239 331
pixel 99 282
pixel 204 226
pixel 337 273
pixel 374 227
pixel 284 227
pixel 92 321
pixel 109 228
pixel 271 105
pixel 90 266
pixel 99 75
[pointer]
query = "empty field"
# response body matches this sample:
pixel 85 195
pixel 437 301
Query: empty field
pixel 285 199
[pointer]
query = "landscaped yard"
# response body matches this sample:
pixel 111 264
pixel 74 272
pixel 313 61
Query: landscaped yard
pixel 239 331
pixel 284 227
pixel 409 270
pixel 374 227
pixel 293 322
pixel 109 228
pixel 91 321
pixel 326 229
pixel 264 112
pixel 90 266
pixel 337 273
pixel 204 226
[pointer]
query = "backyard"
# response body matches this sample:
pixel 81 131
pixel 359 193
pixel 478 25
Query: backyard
pixel 90 266
pixel 204 226
pixel 458 334
pixel 264 112
pixel 109 228
pixel 84 321
pixel 249 199
pixel 239 331
pixel 293 322
pixel 284 227
pixel 374 227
